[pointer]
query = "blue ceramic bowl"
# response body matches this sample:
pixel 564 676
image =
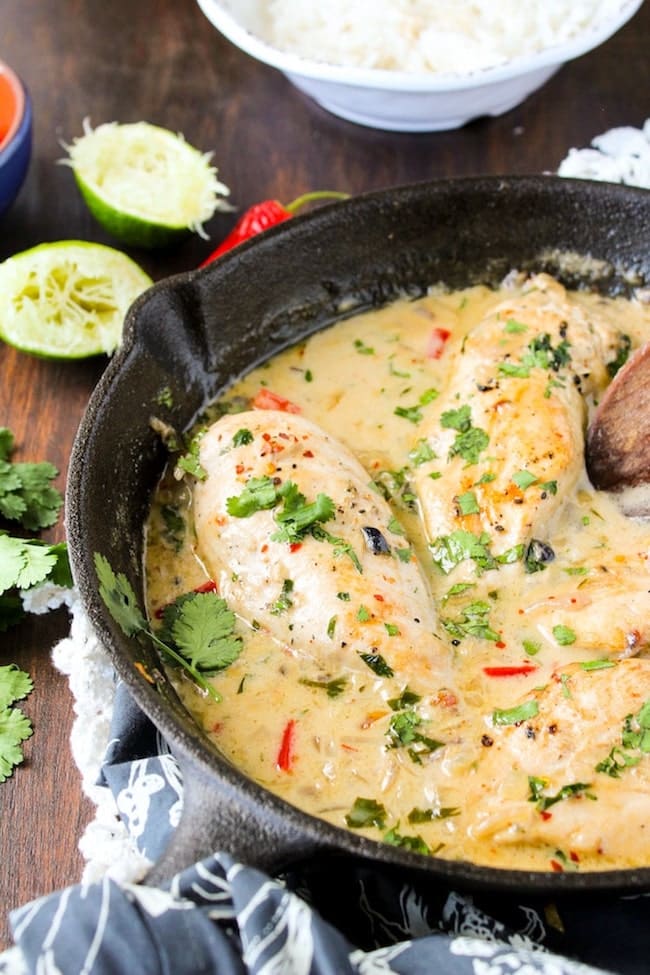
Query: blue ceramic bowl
pixel 16 136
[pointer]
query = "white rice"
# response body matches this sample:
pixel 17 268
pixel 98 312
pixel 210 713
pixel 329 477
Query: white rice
pixel 439 36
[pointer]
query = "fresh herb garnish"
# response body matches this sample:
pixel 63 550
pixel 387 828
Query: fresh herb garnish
pixel 428 815
pixel 242 438
pixel 564 635
pixel 366 812
pixel 27 495
pixel 470 441
pixel 448 551
pixel 25 563
pixel 284 600
pixel 189 462
pixel 333 687
pixel 522 712
pixel 403 733
pixel 544 802
pixel 472 621
pixel 15 727
pixel 622 355
pixel 377 664
pixel 413 843
pixel 198 627
pixel 635 737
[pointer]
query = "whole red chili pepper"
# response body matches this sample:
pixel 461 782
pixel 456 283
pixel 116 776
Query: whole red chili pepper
pixel 266 214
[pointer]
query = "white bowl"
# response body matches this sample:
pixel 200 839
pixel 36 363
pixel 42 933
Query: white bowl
pixel 399 100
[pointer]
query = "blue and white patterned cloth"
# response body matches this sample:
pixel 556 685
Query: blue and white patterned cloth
pixel 223 917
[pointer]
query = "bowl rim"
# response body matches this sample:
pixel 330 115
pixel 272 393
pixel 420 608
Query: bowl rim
pixel 21 99
pixel 404 81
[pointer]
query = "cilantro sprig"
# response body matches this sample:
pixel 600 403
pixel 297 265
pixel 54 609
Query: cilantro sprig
pixel 197 631
pixel 27 494
pixel 15 727
pixel 25 563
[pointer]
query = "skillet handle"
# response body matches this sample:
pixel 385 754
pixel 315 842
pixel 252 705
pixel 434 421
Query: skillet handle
pixel 217 816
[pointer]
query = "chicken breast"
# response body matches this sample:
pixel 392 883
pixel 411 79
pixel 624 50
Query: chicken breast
pixel 575 774
pixel 328 573
pixel 511 419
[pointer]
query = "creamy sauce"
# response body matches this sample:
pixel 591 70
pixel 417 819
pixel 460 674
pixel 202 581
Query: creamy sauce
pixel 468 781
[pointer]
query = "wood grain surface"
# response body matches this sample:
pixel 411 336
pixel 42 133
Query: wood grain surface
pixel 162 61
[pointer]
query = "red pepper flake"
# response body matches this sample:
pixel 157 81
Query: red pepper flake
pixel 266 399
pixel 286 756
pixel 378 596
pixel 239 469
pixel 557 867
pixel 308 453
pixel 294 546
pixel 500 645
pixel 573 856
pixel 511 671
pixel 348 748
pixel 546 815
pixel 437 342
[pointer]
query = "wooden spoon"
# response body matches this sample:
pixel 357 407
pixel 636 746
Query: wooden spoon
pixel 618 438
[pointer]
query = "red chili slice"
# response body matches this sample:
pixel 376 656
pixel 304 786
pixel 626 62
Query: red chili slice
pixel 437 342
pixel 512 671
pixel 266 399
pixel 285 757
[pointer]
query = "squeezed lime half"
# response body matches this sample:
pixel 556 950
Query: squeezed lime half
pixel 145 185
pixel 67 300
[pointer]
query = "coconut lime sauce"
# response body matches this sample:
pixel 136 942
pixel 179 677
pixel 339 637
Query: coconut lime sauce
pixel 369 381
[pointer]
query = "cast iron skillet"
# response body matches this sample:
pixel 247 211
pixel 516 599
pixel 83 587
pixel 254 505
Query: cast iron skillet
pixel 194 333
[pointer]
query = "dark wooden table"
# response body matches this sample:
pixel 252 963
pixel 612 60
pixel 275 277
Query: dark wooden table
pixel 162 61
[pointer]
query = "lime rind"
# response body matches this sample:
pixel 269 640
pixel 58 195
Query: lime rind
pixel 145 185
pixel 68 299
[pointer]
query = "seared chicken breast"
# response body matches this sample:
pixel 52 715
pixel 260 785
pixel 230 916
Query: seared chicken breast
pixel 511 418
pixel 347 583
pixel 571 768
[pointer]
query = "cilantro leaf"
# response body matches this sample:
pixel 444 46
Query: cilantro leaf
pixel 298 516
pixel 117 593
pixel 448 551
pixel 201 628
pixel 14 685
pixel 24 563
pixel 26 492
pixel 15 728
pixel 259 494
pixel 366 812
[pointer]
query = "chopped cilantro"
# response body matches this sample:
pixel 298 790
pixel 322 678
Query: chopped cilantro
pixel 414 843
pixel 635 737
pixel 522 712
pixel 377 664
pixel 392 629
pixel 472 621
pixel 467 503
pixel 189 462
pixel 284 600
pixel 622 355
pixel 448 551
pixel 564 635
pixel 406 700
pixel 544 802
pixel 363 614
pixel 331 626
pixel 362 348
pixel 242 438
pixel 524 479
pixel 513 327
pixel 411 413
pixel 333 687
pixel 366 812
pixel 428 815
pixel 403 733
pixel 421 453
pixel 532 647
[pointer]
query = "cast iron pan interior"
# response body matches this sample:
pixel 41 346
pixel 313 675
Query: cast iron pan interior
pixel 194 333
